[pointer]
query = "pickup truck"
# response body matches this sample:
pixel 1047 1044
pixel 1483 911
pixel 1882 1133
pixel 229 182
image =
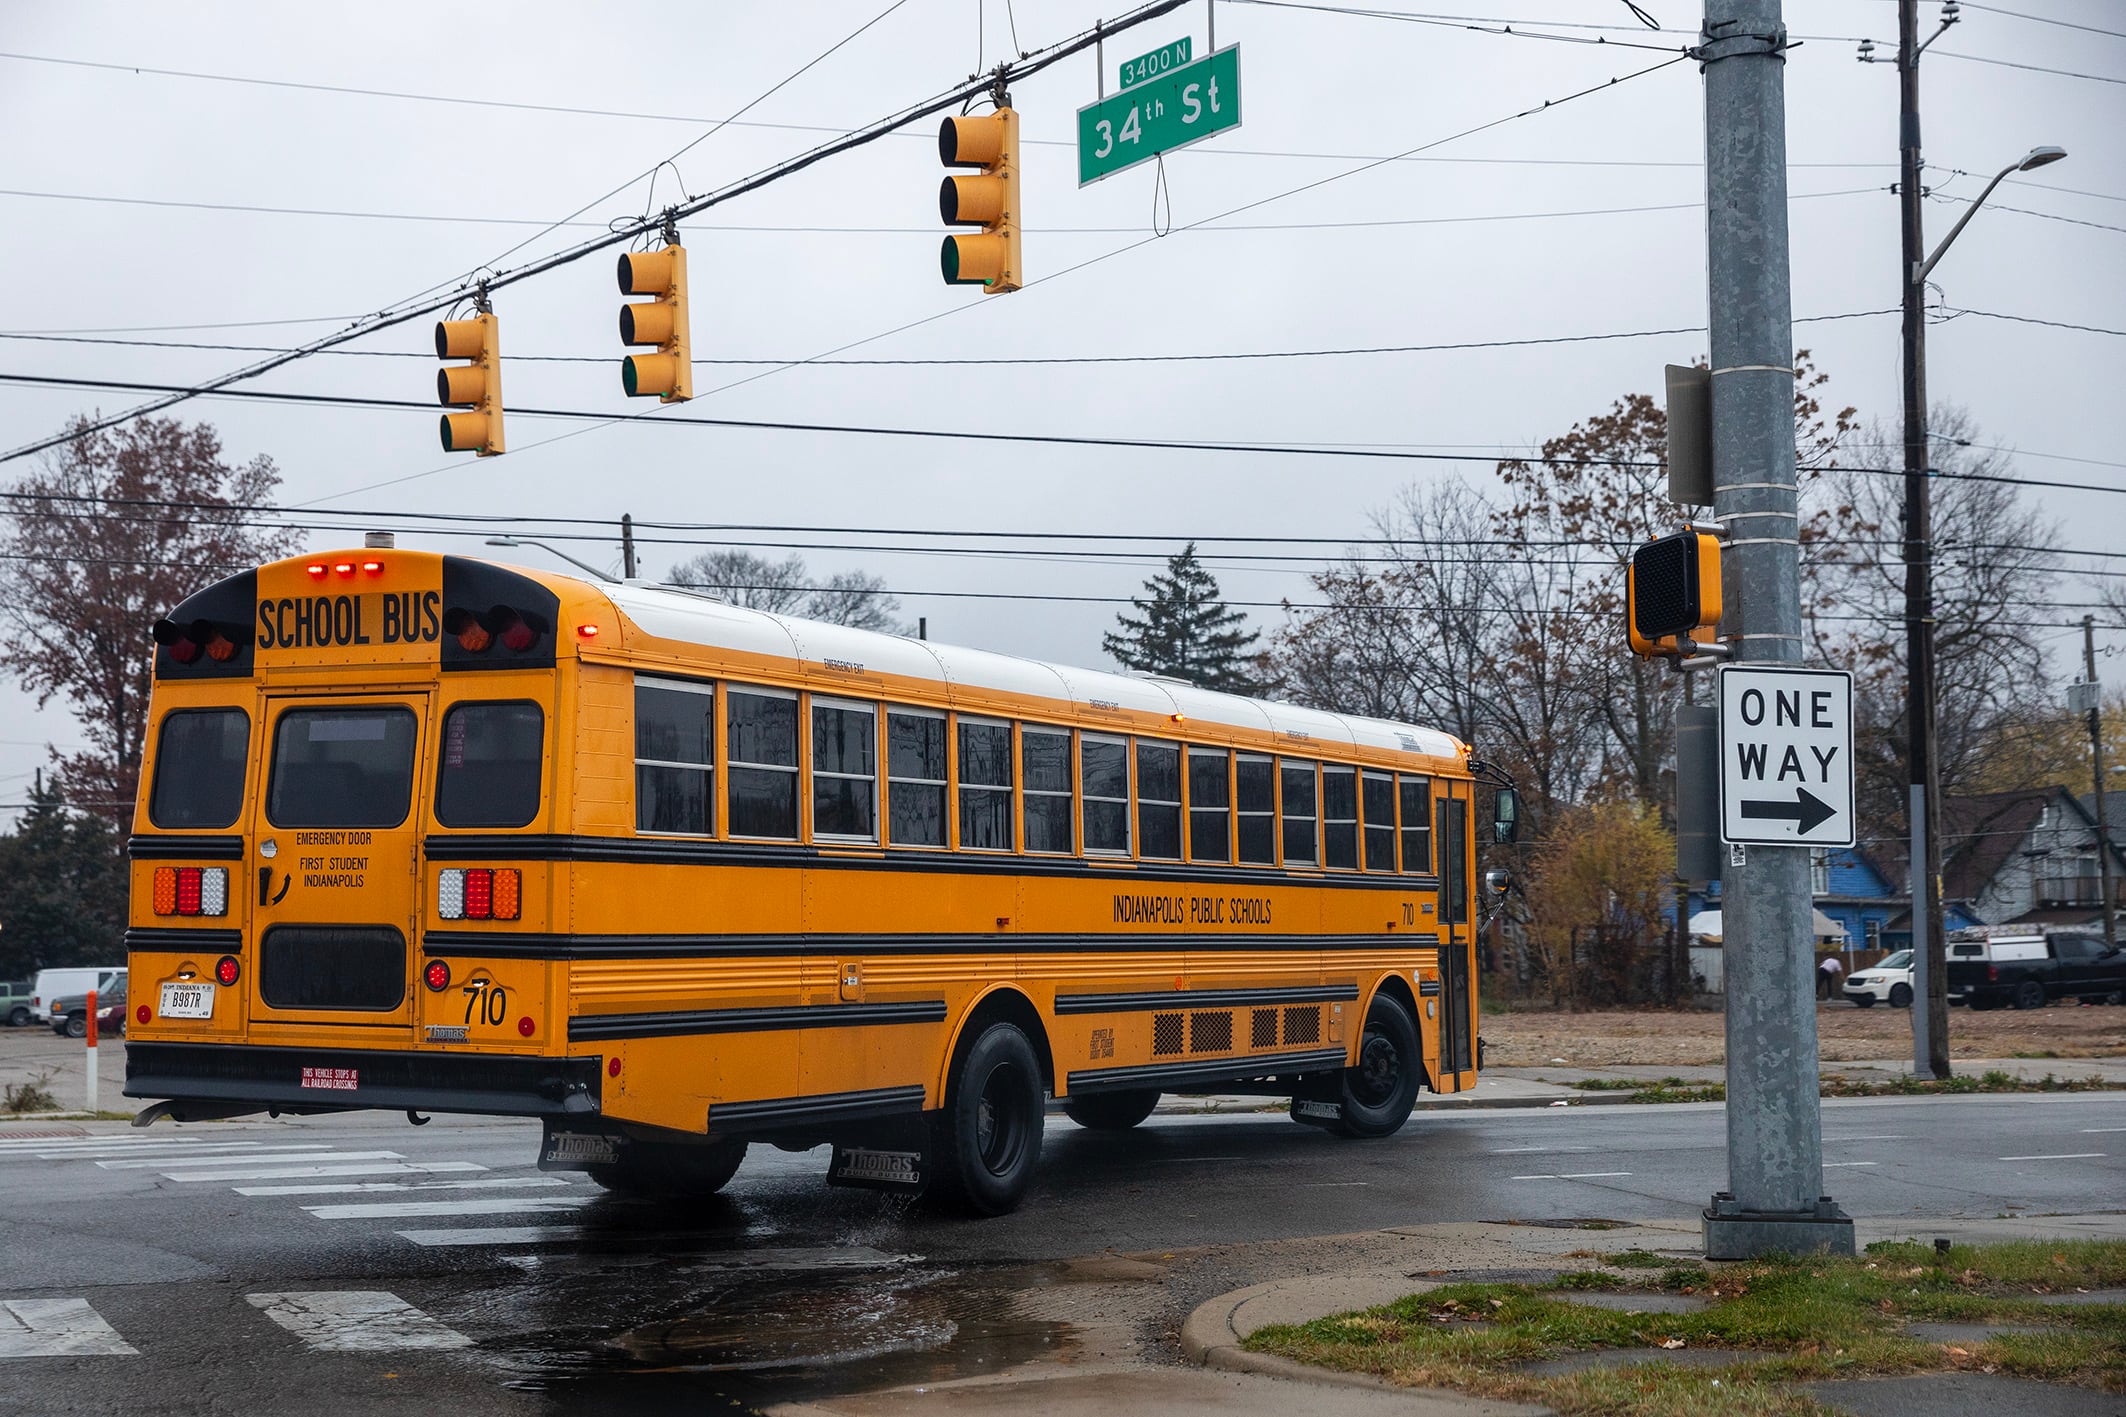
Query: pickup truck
pixel 2030 971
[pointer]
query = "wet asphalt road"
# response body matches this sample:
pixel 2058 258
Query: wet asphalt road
pixel 207 1269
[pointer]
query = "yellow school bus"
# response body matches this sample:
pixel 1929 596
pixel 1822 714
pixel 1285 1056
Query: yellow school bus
pixel 425 832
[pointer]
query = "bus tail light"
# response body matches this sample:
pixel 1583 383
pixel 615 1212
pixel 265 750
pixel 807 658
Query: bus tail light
pixel 143 1014
pixel 526 1027
pixel 227 971
pixel 191 890
pixel 479 893
pixel 437 975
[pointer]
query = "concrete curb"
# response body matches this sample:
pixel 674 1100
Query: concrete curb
pixel 1209 1338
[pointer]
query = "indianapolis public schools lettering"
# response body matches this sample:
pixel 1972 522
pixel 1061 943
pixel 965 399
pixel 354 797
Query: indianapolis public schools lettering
pixel 1191 910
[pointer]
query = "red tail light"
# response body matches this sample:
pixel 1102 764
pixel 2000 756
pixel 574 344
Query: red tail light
pixel 227 971
pixel 437 975
pixel 1992 974
pixel 143 1014
pixel 479 894
pixel 526 1027
pixel 188 890
pixel 191 890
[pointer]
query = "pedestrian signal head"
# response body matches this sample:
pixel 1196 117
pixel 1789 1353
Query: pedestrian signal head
pixel 988 199
pixel 669 373
pixel 1672 592
pixel 476 386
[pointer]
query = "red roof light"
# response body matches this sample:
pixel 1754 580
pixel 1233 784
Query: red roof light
pixel 316 570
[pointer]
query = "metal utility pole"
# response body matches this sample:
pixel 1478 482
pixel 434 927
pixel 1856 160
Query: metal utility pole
pixel 2096 759
pixel 1775 1200
pixel 627 547
pixel 1930 974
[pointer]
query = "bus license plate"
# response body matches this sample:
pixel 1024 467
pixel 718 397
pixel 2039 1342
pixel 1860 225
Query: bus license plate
pixel 187 1001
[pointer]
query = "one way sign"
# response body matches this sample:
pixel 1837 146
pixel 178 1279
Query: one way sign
pixel 1786 756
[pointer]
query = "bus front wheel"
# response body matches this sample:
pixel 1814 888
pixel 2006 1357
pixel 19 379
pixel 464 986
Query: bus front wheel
pixel 1110 1111
pixel 665 1171
pixel 1381 1088
pixel 989 1134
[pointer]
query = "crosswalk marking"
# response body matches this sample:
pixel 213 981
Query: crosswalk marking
pixel 341 1188
pixel 282 1154
pixel 494 1235
pixel 11 1144
pixel 393 1210
pixel 294 1173
pixel 356 1321
pixel 56 1328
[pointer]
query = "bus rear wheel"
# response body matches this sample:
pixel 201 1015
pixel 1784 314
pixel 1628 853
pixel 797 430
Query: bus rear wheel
pixel 1381 1088
pixel 989 1135
pixel 1110 1111
pixel 669 1171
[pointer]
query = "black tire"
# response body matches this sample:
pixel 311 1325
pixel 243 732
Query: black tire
pixel 1110 1111
pixel 2030 994
pixel 1862 1001
pixel 989 1135
pixel 1381 1088
pixel 19 1017
pixel 76 1025
pixel 1900 996
pixel 672 1171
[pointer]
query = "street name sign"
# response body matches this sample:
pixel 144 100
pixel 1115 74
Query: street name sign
pixel 1786 756
pixel 1159 113
pixel 1159 61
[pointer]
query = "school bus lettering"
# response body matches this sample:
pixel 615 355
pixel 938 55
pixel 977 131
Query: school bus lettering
pixel 675 877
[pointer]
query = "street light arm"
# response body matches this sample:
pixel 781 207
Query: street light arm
pixel 1961 222
pixel 528 541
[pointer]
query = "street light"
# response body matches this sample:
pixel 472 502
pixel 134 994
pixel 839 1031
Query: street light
pixel 528 541
pixel 1930 1013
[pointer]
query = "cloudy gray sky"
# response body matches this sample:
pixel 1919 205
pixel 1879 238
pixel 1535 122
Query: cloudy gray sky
pixel 1582 220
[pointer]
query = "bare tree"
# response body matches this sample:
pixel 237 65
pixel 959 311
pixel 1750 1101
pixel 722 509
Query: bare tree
pixel 788 587
pixel 108 532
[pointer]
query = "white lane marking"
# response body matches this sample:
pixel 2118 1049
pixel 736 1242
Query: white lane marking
pixel 2059 1156
pixel 12 1144
pixel 56 1328
pixel 1573 1176
pixel 395 1210
pixel 1883 1136
pixel 1191 1160
pixel 359 1168
pixel 356 1321
pixel 1829 1164
pixel 317 1151
pixel 2104 1129
pixel 1332 1185
pixel 495 1235
pixel 342 1188
pixel 1516 1150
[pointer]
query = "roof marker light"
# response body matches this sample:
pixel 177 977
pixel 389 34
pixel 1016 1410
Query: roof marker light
pixel 374 568
pixel 588 632
pixel 345 568
pixel 316 570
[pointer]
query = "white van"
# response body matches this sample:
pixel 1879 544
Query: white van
pixel 53 984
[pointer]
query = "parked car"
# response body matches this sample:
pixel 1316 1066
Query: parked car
pixel 2030 971
pixel 1887 981
pixel 15 1002
pixel 51 985
pixel 70 1016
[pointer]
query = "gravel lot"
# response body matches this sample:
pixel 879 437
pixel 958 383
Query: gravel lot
pixel 1660 1037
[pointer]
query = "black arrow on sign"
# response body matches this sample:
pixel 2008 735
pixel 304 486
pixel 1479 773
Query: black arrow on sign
pixel 1807 811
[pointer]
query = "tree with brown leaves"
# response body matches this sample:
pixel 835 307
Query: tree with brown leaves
pixel 110 531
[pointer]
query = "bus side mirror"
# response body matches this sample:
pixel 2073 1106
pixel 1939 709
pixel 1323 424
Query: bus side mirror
pixel 1497 882
pixel 1506 816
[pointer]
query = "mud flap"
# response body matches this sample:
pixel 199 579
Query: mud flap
pixel 1313 1112
pixel 563 1149
pixel 890 1157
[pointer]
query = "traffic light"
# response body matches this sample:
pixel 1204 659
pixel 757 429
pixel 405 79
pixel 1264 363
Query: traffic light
pixel 669 373
pixel 1672 591
pixel 477 386
pixel 991 201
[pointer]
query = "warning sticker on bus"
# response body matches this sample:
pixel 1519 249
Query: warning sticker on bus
pixel 331 1079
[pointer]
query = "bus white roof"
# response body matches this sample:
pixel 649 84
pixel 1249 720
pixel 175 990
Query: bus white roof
pixel 673 614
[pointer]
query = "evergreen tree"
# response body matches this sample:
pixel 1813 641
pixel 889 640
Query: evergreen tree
pixel 1183 628
pixel 62 888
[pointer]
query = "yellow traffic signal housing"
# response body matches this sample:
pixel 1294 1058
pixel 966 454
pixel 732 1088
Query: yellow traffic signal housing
pixel 989 200
pixel 477 386
pixel 669 373
pixel 1672 592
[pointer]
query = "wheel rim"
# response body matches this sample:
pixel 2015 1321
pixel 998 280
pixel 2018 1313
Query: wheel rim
pixel 1379 1071
pixel 1000 1120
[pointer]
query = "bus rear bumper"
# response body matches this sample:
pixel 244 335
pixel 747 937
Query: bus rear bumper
pixel 324 1080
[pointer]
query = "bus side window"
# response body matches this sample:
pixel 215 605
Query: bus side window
pixel 1103 767
pixel 1339 817
pixel 1210 805
pixel 1379 803
pixel 1301 819
pixel 675 757
pixel 1257 783
pixel 985 785
pixel 1158 801
pixel 1417 824
pixel 915 777
pixel 1044 755
pixel 762 735
pixel 491 760
pixel 844 770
